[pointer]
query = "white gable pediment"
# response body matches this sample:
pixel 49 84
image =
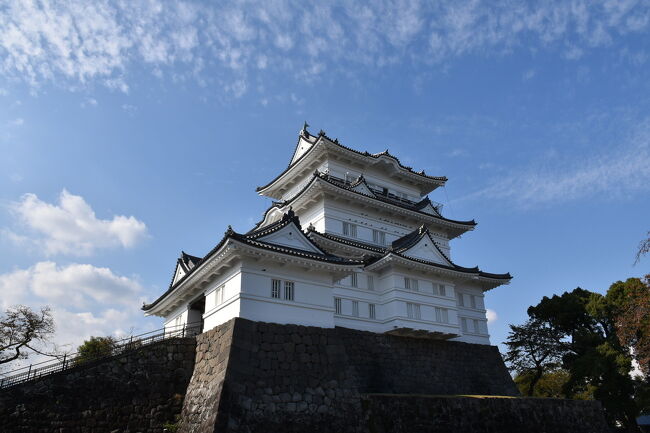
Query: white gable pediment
pixel 302 147
pixel 363 189
pixel 180 273
pixel 426 250
pixel 429 209
pixel 290 236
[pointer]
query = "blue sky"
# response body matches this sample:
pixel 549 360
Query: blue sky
pixel 132 130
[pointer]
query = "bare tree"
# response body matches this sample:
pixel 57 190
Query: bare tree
pixel 23 331
pixel 644 248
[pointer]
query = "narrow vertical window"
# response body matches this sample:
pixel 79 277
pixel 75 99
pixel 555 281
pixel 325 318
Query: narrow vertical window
pixel 411 284
pixel 288 290
pixel 379 237
pixel 221 294
pixel 371 282
pixel 476 326
pixel 275 288
pixel 461 301
pixel 350 230
pixel 355 308
pixel 472 301
pixel 445 315
pixel 438 311
pixel 463 323
pixel 354 282
pixel 412 310
pixel 371 311
pixel 441 290
pixel 337 305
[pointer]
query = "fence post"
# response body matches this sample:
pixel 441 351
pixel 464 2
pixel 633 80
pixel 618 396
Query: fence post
pixel 29 371
pixel 65 355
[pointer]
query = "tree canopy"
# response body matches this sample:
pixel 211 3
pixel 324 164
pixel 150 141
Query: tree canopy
pixel 589 340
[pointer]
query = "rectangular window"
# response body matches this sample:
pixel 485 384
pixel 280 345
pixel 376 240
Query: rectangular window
pixel 472 301
pixel 461 300
pixel 371 282
pixel 350 230
pixel 442 291
pixel 354 281
pixel 337 305
pixel 379 237
pixel 355 308
pixel 476 326
pixel 218 295
pixel 371 311
pixel 288 290
pixel 463 323
pixel 411 284
pixel 442 315
pixel 275 288
pixel 413 310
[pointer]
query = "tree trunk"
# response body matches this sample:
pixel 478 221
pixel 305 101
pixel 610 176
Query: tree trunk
pixel 539 372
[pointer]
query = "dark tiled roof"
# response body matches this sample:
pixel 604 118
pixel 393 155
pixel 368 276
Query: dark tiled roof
pixel 401 245
pixel 251 239
pixel 321 134
pixel 405 204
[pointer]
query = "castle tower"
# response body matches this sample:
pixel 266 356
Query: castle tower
pixel 352 240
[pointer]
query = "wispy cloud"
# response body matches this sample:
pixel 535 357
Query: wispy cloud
pixel 71 226
pixel 97 41
pixel 620 171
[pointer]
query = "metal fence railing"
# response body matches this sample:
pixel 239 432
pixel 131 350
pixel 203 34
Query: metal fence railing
pixel 66 361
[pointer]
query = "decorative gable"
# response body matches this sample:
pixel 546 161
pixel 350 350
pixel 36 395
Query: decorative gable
pixel 430 210
pixel 290 236
pixel 180 273
pixel 425 249
pixel 362 188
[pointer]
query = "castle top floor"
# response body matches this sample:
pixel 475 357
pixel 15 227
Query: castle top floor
pixel 382 171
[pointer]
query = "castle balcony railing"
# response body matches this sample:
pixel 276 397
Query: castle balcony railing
pixel 120 347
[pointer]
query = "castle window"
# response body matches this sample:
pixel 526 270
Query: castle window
pixel 350 230
pixel 354 281
pixel 379 237
pixel 463 323
pixel 412 310
pixel 371 311
pixel 472 301
pixel 477 329
pixel 337 305
pixel 218 295
pixel 371 282
pixel 355 308
pixel 441 290
pixel 442 315
pixel 275 289
pixel 461 300
pixel 288 290
pixel 411 284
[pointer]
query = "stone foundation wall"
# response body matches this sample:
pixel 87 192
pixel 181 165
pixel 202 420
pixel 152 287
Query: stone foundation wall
pixel 415 414
pixel 134 392
pixel 299 378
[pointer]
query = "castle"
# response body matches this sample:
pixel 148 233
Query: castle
pixel 353 241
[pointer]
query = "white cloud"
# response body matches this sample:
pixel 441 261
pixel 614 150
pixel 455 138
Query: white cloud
pixel 491 316
pixel 620 171
pixel 17 122
pixel 85 300
pixel 84 41
pixel 71 226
